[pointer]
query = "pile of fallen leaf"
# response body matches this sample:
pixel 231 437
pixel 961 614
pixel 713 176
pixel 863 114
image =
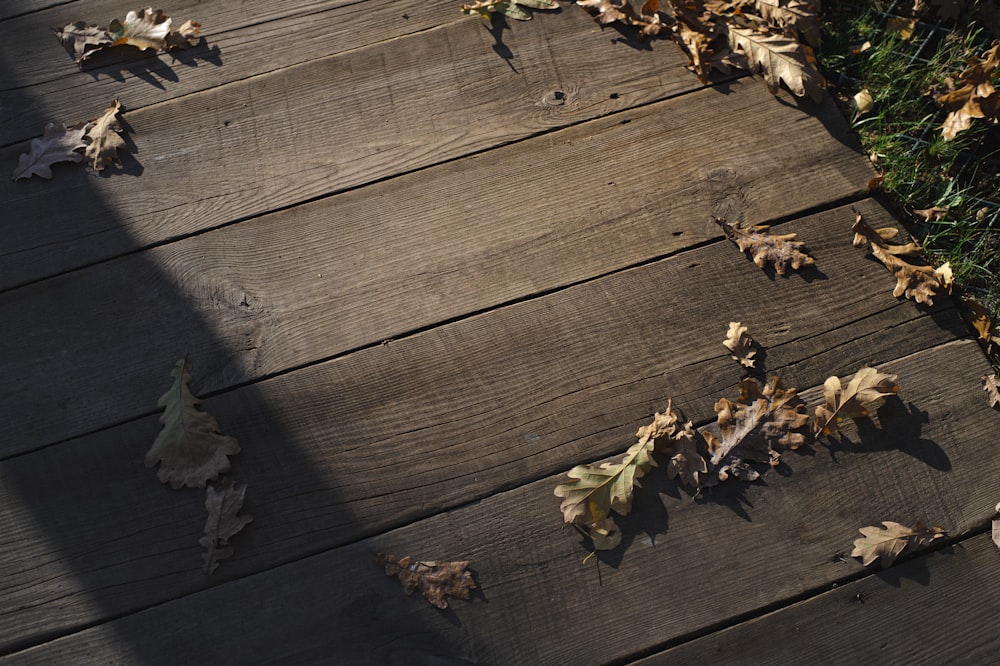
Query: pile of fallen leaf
pixel 773 38
pixel 145 29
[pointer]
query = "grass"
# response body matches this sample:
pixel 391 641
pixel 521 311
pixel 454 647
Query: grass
pixel 901 134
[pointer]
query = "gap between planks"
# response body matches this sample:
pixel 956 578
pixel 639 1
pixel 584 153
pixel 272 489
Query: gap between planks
pixel 539 598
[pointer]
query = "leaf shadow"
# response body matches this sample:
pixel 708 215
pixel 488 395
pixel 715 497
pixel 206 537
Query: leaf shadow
pixel 498 23
pixel 120 62
pixel 913 567
pixel 896 426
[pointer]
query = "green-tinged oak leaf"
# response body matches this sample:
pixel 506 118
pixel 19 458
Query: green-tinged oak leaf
pixel 57 144
pixel 891 539
pixel 105 138
pixel 223 502
pixel 862 393
pixel 918 281
pixel 436 580
pixel 780 249
pixel 740 344
pixel 189 449
pixel 752 428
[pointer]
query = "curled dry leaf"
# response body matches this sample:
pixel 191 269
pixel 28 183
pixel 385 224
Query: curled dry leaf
pixel 751 428
pixel 992 386
pixel 888 541
pixel 739 342
pixel 190 449
pixel 780 249
pixel 223 504
pixel 646 17
pixel 935 213
pixel 917 281
pixel 57 144
pixel 800 15
pixel 144 29
pixel 979 317
pixel 862 393
pixel 105 138
pixel 595 491
pixel 436 580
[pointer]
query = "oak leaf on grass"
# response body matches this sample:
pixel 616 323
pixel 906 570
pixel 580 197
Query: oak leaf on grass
pixel 976 98
pixel 752 429
pixel 223 502
pixel 190 449
pixel 862 393
pixel 780 249
pixel 891 539
pixel 436 580
pixel 918 281
pixel 57 144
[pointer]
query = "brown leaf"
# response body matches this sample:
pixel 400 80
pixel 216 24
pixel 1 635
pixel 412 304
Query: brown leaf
pixel 189 448
pixel 919 282
pixel 996 528
pixel 185 36
pixel 977 98
pixel 105 138
pixel 800 15
pixel 979 318
pixel 223 503
pixel 145 29
pixel 739 342
pixel 80 39
pixel 992 386
pixel 863 392
pixel 779 58
pixel 889 541
pixel 436 580
pixel 934 213
pixel 57 144
pixel 781 249
pixel 679 443
pixel 751 428
pixel 646 17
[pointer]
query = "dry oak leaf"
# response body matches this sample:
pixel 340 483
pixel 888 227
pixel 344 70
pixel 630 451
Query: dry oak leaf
pixel 80 39
pixel 190 449
pixel 919 282
pixel 862 393
pixel 511 8
pixel 751 428
pixel 57 144
pixel 435 579
pixel 646 17
pixel 739 342
pixel 679 444
pixel 934 213
pixel 778 57
pixel 145 29
pixel 888 541
pixel 996 528
pixel 979 317
pixel 781 249
pixel 105 138
pixel 223 503
pixel 992 386
pixel 801 15
pixel 977 98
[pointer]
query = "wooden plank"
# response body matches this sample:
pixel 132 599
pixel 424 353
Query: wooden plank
pixel 686 565
pixel 239 43
pixel 387 435
pixel 279 139
pixel 19 7
pixel 929 610
pixel 318 280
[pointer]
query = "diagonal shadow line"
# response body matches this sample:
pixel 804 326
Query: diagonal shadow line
pixel 78 546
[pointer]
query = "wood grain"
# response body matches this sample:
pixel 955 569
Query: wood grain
pixel 240 41
pixel 318 280
pixel 685 565
pixel 390 434
pixel 271 141
pixel 930 610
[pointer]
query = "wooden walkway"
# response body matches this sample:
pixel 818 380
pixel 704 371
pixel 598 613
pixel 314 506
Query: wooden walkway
pixel 422 268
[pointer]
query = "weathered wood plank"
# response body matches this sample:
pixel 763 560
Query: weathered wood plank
pixel 240 43
pixel 278 139
pixel 387 435
pixel 284 290
pixel 540 605
pixel 931 610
